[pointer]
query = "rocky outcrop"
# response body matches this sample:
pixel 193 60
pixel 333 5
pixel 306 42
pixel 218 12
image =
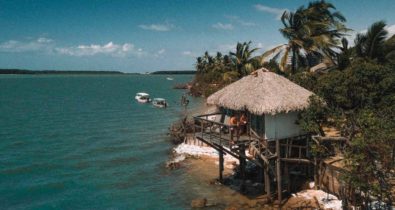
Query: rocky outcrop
pixel 198 203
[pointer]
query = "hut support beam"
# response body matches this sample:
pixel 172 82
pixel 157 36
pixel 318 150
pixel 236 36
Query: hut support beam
pixel 242 162
pixel 267 181
pixel 221 164
pixel 286 176
pixel 278 174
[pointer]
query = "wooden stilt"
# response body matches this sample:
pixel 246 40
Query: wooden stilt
pixel 242 161
pixel 278 174
pixel 221 164
pixel 286 176
pixel 267 181
pixel 316 176
pixel 261 172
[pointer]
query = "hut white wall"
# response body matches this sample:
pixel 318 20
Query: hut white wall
pixel 282 125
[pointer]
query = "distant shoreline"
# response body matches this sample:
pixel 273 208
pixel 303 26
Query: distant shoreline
pixel 40 72
pixel 174 72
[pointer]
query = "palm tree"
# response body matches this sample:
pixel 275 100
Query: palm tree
pixel 343 58
pixel 243 58
pixel 312 34
pixel 389 50
pixel 295 31
pixel 371 44
pixel 199 65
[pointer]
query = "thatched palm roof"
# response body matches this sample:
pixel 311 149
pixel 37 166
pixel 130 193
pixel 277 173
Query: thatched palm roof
pixel 262 92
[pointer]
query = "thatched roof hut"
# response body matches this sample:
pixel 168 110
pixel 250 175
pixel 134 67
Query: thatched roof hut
pixel 262 92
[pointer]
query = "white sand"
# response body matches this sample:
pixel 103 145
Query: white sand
pixel 328 201
pixel 187 149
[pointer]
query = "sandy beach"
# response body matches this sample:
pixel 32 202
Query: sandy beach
pixel 201 163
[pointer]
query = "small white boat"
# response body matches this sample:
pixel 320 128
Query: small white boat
pixel 159 102
pixel 170 78
pixel 143 97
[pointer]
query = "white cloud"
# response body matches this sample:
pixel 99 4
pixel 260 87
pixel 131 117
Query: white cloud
pixel 157 27
pixel 238 20
pixel 40 44
pixel 353 34
pixel 223 26
pixel 117 50
pixel 391 30
pixel 189 54
pixel 260 45
pixel 275 11
pixel 44 40
pixel 46 45
pixel 161 51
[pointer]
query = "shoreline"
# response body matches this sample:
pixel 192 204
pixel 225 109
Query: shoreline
pixel 201 163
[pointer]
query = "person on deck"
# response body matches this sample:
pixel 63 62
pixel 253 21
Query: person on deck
pixel 243 124
pixel 233 122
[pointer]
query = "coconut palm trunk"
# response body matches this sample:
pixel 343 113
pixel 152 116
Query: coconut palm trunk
pixel 293 64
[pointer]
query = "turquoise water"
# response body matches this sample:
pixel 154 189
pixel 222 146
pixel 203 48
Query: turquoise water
pixel 82 142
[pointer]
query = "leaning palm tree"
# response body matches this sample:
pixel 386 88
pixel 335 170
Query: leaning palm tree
pixel 296 32
pixel 243 58
pixel 371 44
pixel 312 34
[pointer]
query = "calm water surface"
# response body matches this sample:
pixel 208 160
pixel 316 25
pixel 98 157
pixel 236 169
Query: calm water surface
pixel 82 142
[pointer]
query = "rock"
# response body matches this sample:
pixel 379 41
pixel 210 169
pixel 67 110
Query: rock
pixel 199 203
pixel 212 182
pixel 252 203
pixel 232 207
pixel 210 204
pixel 173 165
pixel 263 201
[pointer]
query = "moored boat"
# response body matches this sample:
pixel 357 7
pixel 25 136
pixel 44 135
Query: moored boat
pixel 159 102
pixel 143 97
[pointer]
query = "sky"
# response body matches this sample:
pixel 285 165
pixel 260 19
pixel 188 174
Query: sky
pixel 150 35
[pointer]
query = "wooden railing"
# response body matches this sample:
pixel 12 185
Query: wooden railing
pixel 214 131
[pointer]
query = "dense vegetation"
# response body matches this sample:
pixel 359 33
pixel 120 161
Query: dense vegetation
pixel 359 101
pixel 355 89
pixel 313 35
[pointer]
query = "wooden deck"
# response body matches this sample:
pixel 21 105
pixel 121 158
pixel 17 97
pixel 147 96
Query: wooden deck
pixel 276 157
